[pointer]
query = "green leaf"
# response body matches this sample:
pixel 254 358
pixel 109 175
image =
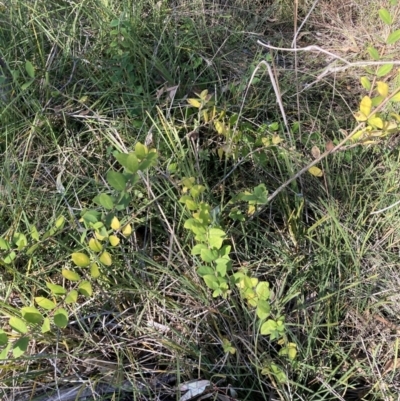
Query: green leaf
pixel 263 309
pixel 263 290
pixel 18 324
pixel 261 194
pixel 132 163
pixel 32 249
pixel 4 245
pixel 116 180
pixel 59 222
pixel 27 84
pixel 3 337
pixel 373 53
pixel 20 240
pixel 385 16
pixel 91 216
pixel 104 200
pixel 80 259
pixel 384 70
pixel 6 350
pixel 189 202
pixel 105 258
pixel 141 150
pixel 85 288
pixel 237 215
pixel 150 160
pixel 30 69
pixel 208 255
pixel 365 82
pixel 205 270
pixel 211 281
pixel 61 318
pixel 94 270
pixel 56 289
pixel 268 327
pixel 393 37
pixel 46 303
pixel 34 233
pixel 70 275
pixel 31 314
pixel 46 325
pixel 222 265
pixel 196 250
pixel 20 347
pixel 71 297
pixel 95 245
pixel 216 237
pixel 114 240
pixel 9 258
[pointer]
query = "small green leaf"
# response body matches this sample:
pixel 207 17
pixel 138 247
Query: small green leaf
pixel 85 288
pixel 71 297
pixel 132 163
pixel 70 275
pixel 150 160
pixel 114 240
pixel 104 200
pixel 95 245
pixel 59 222
pixel 385 16
pixel 56 289
pixel 211 281
pixel 268 327
pixel 31 314
pixel 4 245
pixel 46 303
pixel 196 250
pixel 94 270
pixel 208 255
pixel 384 70
pixel 5 351
pixel 20 347
pixel 205 270
pixel 116 180
pixel 365 82
pixel 61 318
pixel 263 309
pixel 263 290
pixel 91 216
pixel 237 215
pixel 18 324
pixel 80 259
pixel 373 53
pixel 216 237
pixel 105 258
pixel 9 258
pixel 3 337
pixel 27 84
pixel 20 240
pixel 34 233
pixel 393 37
pixel 30 69
pixel 46 325
pixel 141 150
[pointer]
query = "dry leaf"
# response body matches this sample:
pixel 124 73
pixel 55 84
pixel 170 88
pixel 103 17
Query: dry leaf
pixel 329 146
pixel 315 152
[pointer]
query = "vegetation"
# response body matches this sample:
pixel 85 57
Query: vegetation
pixel 198 200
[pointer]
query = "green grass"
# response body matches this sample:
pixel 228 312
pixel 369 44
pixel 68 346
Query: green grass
pixel 103 77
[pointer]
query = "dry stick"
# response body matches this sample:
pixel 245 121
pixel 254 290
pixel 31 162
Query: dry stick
pixel 329 69
pixel 334 149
